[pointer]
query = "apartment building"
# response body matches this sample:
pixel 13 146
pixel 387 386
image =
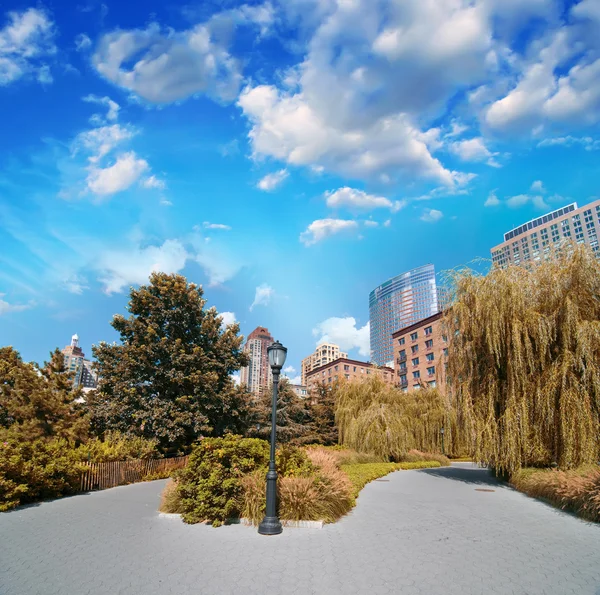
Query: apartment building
pixel 324 353
pixel 84 375
pixel 346 369
pixel 421 354
pixel 300 390
pixel 257 374
pixel 533 241
pixel 400 301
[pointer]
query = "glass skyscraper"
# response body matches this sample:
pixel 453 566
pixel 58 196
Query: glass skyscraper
pixel 399 302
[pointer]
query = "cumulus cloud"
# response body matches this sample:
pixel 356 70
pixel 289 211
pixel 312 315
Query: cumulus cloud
pixel 431 215
pixel 492 200
pixel 473 149
pixel 100 141
pixel 587 142
pixel 289 370
pixel 228 318
pixel 152 182
pixel 358 199
pixel 520 200
pixel 121 268
pixel 220 226
pixel 344 332
pixel 538 186
pixel 117 177
pixel 82 42
pixel 112 106
pixel 323 228
pixel 263 295
pixel 25 41
pixel 272 181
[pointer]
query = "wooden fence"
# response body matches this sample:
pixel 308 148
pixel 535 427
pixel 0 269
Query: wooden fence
pixel 100 476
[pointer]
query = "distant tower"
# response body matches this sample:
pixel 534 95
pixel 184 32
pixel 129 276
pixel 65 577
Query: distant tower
pixel 257 374
pixel 75 362
pixel 75 340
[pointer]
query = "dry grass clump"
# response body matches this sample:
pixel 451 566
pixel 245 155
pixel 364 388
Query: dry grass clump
pixel 170 500
pixel 376 418
pixel 576 490
pixel 524 362
pixel 414 456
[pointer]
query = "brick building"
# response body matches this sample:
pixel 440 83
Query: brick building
pixel 346 369
pixel 420 354
pixel 324 353
pixel 84 375
pixel 257 374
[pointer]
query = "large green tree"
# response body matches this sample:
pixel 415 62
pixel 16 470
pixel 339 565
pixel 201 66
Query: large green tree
pixel 170 378
pixel 39 402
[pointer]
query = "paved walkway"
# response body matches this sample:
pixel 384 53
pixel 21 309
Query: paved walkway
pixel 423 532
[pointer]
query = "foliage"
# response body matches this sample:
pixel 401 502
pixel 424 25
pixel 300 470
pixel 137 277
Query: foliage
pixel 210 485
pixel 35 470
pixel 346 456
pixel 170 378
pixel 118 447
pixel 170 501
pixel 524 362
pixel 292 415
pixel 577 490
pixel 39 402
pixel 375 417
pixel 321 428
pixel 414 456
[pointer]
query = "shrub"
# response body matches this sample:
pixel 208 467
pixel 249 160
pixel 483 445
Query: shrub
pixel 170 500
pixel 210 486
pixel 118 447
pixel 577 490
pixel 413 456
pixel 37 470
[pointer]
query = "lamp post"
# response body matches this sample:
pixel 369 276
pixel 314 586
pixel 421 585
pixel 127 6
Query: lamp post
pixel 270 525
pixel 442 433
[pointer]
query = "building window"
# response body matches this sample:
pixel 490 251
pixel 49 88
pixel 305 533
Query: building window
pixel 329 371
pixel 354 368
pixel 402 353
pixel 416 386
pixel 446 351
pixel 415 361
pixel 416 374
pixel 430 357
pixel 402 366
pixel 403 379
pixel 428 330
pixel 346 368
pixel 414 336
pixel 414 349
pixel 368 371
pixel 347 376
pixel 401 341
pixel 431 370
pixel 336 368
pixel 429 344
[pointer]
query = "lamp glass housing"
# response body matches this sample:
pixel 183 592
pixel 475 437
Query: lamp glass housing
pixel 277 354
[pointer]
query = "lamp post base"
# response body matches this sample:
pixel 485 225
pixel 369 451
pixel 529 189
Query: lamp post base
pixel 270 525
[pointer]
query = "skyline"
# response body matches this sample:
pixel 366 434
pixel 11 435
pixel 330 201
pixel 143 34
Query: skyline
pixel 289 157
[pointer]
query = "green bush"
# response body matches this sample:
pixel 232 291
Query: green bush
pixel 118 447
pixel 37 470
pixel 210 485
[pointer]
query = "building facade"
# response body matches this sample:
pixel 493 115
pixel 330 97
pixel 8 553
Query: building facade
pixel 531 242
pixel 84 375
pixel 421 353
pixel 324 353
pixel 400 302
pixel 257 374
pixel 346 369
pixel 300 390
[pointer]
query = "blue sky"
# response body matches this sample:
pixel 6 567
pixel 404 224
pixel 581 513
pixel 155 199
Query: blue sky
pixel 287 155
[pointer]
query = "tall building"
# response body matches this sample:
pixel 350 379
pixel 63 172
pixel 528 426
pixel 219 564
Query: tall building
pixel 75 362
pixel 532 241
pixel 257 374
pixel 400 302
pixel 325 353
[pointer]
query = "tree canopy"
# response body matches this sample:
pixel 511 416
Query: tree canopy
pixel 170 378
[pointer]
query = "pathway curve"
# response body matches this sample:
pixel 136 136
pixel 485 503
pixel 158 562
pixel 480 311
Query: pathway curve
pixel 423 532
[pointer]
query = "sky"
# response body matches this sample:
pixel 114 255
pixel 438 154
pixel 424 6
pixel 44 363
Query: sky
pixel 288 155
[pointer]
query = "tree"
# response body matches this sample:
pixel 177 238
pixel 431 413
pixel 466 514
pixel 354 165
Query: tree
pixel 320 405
pixel 292 415
pixel 170 378
pixel 39 402
pixel 524 361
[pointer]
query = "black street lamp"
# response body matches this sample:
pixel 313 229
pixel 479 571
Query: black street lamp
pixel 270 525
pixel 442 433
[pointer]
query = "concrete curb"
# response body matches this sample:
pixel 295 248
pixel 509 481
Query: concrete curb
pixel 248 522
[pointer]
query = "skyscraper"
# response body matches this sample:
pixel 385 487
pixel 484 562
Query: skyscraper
pixel 531 242
pixel 399 302
pixel 257 375
pixel 325 353
pixel 76 363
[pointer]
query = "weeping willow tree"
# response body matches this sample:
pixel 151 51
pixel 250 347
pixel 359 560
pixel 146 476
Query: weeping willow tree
pixel 377 418
pixel 524 361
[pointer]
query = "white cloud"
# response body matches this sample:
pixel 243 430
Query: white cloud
pixel 472 149
pixel 112 106
pixel 323 228
pixel 514 202
pixel 345 333
pixel 538 187
pixel 288 370
pixel 387 223
pixel 358 199
pixel 165 202
pixel 117 177
pixel 294 379
pixel 132 266
pixel 431 215
pixel 221 226
pixel 82 42
pixel 371 223
pixel 492 200
pixel 272 181
pixel 163 66
pixel 101 141
pixel 236 378
pixel 25 41
pixel 6 308
pixel 262 296
pixel 587 142
pixel 76 284
pixel 228 318
pixel 152 182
